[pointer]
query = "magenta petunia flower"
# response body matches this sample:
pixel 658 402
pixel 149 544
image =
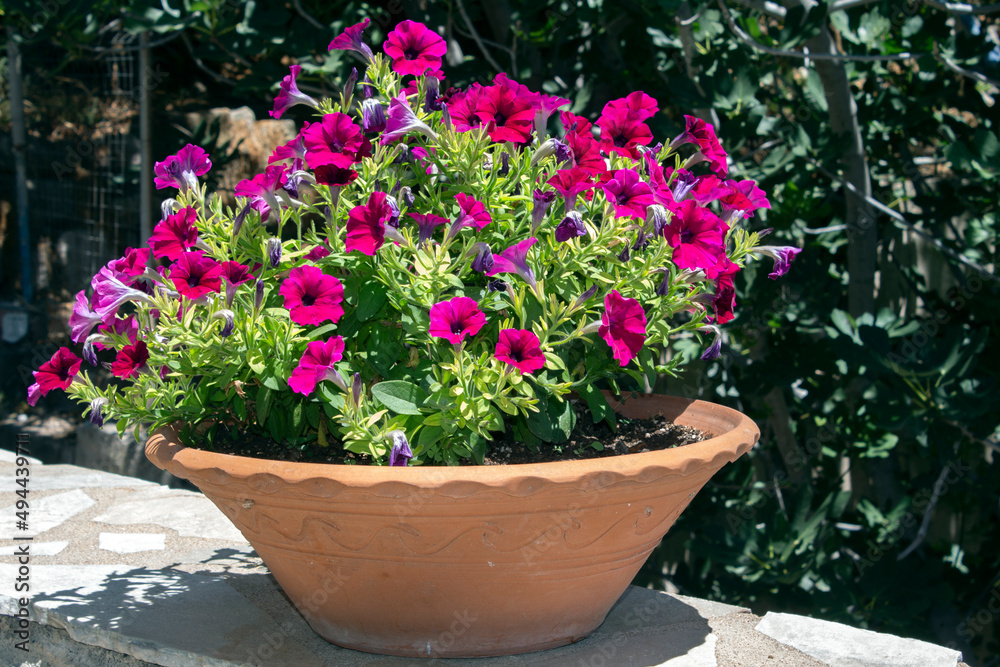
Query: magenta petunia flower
pixel 194 275
pixel 545 106
pixel 706 189
pixel 335 177
pixel 521 349
pixel 334 140
pixel 621 133
pixel 317 364
pixel 699 132
pixel 401 121
pixel 574 124
pixel 506 115
pixel 455 319
pixel 317 253
pixel 128 327
pixel 629 194
pixel 585 153
pixel 473 214
pixel 311 296
pixel 742 198
pixel 697 237
pixel 182 170
pixel 56 373
pixel 130 360
pixel 426 224
pixel 724 300
pixel 414 48
pixel 366 224
pixel 83 319
pixel 462 108
pixel 235 274
pixel 623 326
pixel 294 150
pixel 571 182
pixel 515 260
pixel 263 189
pixel 133 263
pixel 352 39
pixel 174 235
pixel 638 105
pixel 289 94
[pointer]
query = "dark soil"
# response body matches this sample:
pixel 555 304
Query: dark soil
pixel 588 441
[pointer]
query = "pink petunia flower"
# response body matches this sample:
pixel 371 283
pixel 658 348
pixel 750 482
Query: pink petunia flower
pixel 317 364
pixel 174 235
pixel 366 224
pixel 56 373
pixel 455 319
pixel 621 133
pixel 133 263
pixel 629 194
pixel 311 296
pixel 414 48
pixel 473 214
pixel 571 182
pixel 462 108
pixel 289 94
pixel 128 327
pixel 335 177
pixel 262 189
pixel 195 275
pixel 352 39
pixel 697 236
pixel 235 274
pixel 131 360
pixel 638 105
pixel 699 132
pixel 521 349
pixel 586 153
pixel 724 300
pixel 182 170
pixel 110 292
pixel 742 198
pixel 515 260
pixel 334 140
pixel 507 116
pixel 623 326
pixel 574 124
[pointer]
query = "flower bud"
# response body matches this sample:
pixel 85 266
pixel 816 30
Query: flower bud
pixel 356 390
pixel 550 146
pixel 432 99
pixel 541 200
pixel 367 89
pixel 496 286
pixel 89 353
pixel 483 260
pixel 258 297
pixel 393 220
pixel 584 298
pixel 227 328
pixel 406 196
pixel 274 252
pixel 657 216
pixel 96 414
pixel 571 227
pixel 240 217
pixel 372 116
pixel 168 207
pixel 401 452
pixel 349 84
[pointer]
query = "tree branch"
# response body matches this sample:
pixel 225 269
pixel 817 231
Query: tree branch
pixel 307 16
pixel 928 515
pixel 475 36
pixel 202 66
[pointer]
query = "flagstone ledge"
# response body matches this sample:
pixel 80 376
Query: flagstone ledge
pixel 126 572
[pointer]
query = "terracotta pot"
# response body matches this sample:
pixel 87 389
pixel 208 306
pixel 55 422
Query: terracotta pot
pixel 462 561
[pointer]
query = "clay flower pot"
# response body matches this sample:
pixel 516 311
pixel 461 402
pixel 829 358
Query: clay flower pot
pixel 462 561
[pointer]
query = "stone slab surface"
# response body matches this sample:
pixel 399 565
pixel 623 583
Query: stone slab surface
pixel 70 477
pixel 44 514
pixel 844 646
pixel 190 514
pixel 130 543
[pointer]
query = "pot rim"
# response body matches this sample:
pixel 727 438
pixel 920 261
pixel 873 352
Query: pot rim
pixel 166 452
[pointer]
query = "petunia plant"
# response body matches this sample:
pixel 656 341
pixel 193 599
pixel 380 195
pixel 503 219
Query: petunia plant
pixel 420 270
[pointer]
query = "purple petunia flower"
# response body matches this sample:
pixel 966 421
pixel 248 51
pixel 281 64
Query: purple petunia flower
pixel 401 452
pixel 426 224
pixel 289 95
pixel 182 170
pixel 782 256
pixel 401 121
pixel 483 260
pixel 571 227
pixel 515 260
pixel 352 39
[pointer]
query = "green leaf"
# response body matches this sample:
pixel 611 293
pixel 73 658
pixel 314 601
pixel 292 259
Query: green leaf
pixel 265 397
pixel 599 408
pixel 370 302
pixel 401 397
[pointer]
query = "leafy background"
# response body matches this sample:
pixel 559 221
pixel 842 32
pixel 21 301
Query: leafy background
pixel 872 368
